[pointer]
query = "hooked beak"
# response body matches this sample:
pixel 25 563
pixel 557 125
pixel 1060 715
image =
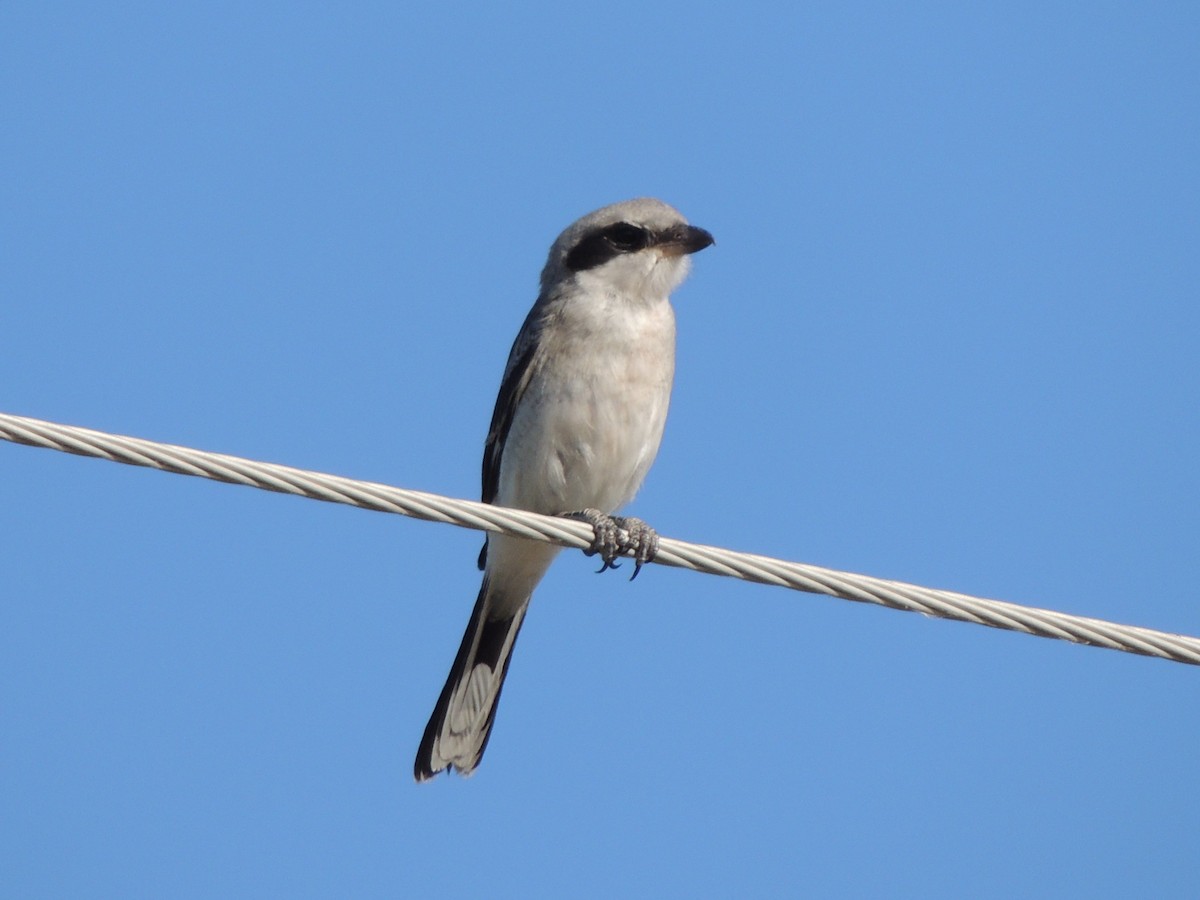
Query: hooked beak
pixel 684 239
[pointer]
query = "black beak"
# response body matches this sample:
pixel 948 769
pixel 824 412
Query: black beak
pixel 685 239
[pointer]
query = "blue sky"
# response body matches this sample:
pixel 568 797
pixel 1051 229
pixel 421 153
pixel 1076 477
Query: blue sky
pixel 947 335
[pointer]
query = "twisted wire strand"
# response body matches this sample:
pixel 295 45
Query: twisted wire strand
pixel 571 533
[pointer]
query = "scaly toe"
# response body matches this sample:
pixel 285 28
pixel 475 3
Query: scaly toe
pixel 607 540
pixel 639 539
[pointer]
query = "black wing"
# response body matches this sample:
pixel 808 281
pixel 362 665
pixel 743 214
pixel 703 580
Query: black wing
pixel 522 363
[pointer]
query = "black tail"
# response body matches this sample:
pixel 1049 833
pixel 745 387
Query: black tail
pixel 461 723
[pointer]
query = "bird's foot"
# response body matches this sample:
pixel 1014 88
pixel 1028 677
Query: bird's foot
pixel 618 535
pixel 640 539
pixel 606 538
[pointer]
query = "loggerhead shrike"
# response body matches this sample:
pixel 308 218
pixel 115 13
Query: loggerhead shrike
pixel 576 426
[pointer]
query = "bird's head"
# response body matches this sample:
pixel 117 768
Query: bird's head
pixel 638 247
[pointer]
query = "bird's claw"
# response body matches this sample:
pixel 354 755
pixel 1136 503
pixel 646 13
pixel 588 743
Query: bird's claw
pixel 614 536
pixel 641 541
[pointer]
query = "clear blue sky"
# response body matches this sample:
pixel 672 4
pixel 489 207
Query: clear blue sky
pixel 948 334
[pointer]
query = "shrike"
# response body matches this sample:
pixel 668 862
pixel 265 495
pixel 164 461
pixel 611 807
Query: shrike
pixel 576 426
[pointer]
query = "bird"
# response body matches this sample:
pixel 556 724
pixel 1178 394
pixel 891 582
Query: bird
pixel 577 423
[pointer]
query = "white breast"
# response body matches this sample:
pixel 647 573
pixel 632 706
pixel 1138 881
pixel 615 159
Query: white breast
pixel 589 424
